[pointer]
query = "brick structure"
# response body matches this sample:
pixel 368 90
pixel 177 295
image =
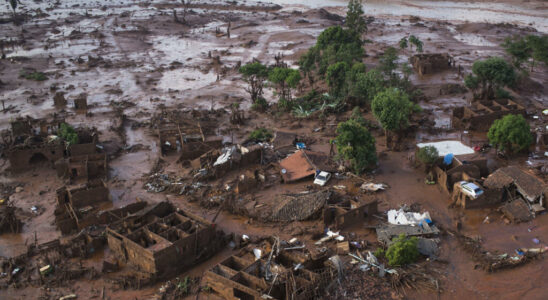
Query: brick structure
pixel 430 63
pixel 161 241
pixel 481 114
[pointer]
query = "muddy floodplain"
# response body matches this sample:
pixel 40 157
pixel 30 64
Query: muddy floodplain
pixel 165 196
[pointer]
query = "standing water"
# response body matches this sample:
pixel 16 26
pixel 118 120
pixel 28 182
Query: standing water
pixel 523 14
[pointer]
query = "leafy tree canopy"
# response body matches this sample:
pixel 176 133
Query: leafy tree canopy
pixel 518 48
pixel 336 77
pixel 254 74
pixel 286 79
pixel 403 43
pixel 539 48
pixel 354 17
pixel 512 134
pixel 356 145
pixel 489 75
pixel 67 133
pixel 428 155
pixel 336 35
pixel 415 41
pixel 388 61
pixel 403 250
pixel 255 69
pixel 392 108
pixel 366 86
pixel 260 135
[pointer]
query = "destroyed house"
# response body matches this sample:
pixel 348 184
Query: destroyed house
pixel 218 162
pixel 513 182
pixel 429 63
pixel 36 141
pixel 162 241
pixel 284 142
pixel 303 164
pixel 469 168
pixel 77 207
pixel 259 275
pixel 29 151
pixel 190 138
pixel 84 161
pixel 481 114
pixel 348 213
pixel 466 167
pixel 32 142
pixel 87 167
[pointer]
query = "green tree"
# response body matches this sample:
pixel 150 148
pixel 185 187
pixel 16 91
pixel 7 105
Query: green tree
pixel 392 109
pixel 366 86
pixel 356 145
pixel 358 117
pixel 67 133
pixel 387 62
pixel 286 79
pixel 415 41
pixel 336 44
pixel 512 134
pixel 260 135
pixel 407 70
pixel 403 250
pixel 403 43
pixel 254 74
pixel 308 63
pixel 336 35
pixel 336 78
pixel 490 75
pixel 518 48
pixel 354 17
pixel 539 49
pixel 428 155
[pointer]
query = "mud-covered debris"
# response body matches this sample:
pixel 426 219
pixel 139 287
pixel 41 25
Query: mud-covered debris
pixel 373 187
pixel 158 183
pixel 9 222
pixel 299 207
pixel 491 261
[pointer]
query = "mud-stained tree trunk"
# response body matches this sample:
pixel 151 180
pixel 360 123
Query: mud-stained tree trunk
pixel 186 8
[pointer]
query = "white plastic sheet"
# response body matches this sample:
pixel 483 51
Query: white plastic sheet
pixel 399 217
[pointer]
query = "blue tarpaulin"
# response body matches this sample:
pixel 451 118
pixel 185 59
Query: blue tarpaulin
pixel 448 159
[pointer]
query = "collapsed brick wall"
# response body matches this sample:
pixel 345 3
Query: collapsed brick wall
pixel 489 197
pixel 165 245
pixel 89 167
pixel 430 63
pixel 22 159
pixel 193 150
pixel 482 114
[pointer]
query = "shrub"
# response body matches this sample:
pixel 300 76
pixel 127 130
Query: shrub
pixel 260 135
pixel 67 133
pixel 428 155
pixel 260 104
pixel 379 253
pixel 356 145
pixel 285 105
pixel 34 75
pixel 403 250
pixel 512 134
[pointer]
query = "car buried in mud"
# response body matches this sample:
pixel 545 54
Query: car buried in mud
pixel 322 178
pixel 471 189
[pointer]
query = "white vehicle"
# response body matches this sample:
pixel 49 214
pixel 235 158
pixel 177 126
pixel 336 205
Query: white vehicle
pixel 471 189
pixel 322 178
